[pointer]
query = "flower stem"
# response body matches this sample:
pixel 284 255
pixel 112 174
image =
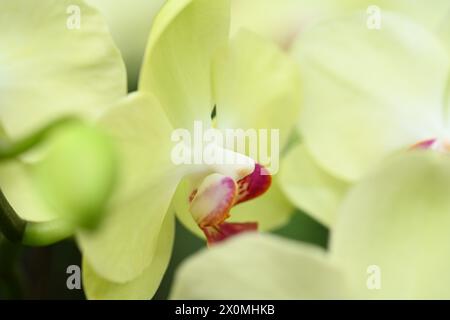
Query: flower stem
pixel 15 229
pixel 12 226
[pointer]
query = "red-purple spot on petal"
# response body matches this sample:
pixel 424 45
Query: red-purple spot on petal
pixel 424 145
pixel 223 231
pixel 253 185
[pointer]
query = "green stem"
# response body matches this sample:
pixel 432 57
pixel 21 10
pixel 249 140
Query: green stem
pixel 12 226
pixel 10 149
pixel 15 229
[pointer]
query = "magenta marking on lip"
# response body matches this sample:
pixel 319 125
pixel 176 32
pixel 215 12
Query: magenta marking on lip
pixel 213 223
pixel 254 185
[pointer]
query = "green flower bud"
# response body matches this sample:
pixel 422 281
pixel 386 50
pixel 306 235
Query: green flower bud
pixel 77 174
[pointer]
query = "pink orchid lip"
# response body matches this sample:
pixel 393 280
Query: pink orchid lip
pixel 212 202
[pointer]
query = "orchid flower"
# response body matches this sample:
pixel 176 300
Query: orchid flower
pixel 390 241
pixel 368 93
pixel 52 168
pixel 191 71
pixel 277 20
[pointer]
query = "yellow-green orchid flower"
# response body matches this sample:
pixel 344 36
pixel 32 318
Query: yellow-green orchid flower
pixel 278 20
pixel 57 63
pixel 130 22
pixel 190 67
pixel 390 242
pixel 367 94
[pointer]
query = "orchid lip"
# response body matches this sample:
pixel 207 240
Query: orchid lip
pixel 211 203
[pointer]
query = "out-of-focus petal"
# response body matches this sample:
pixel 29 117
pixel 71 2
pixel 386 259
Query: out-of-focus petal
pixel 130 22
pixel 143 286
pixel 309 187
pixel 127 240
pixel 392 233
pixel 259 267
pixel 177 64
pixel 50 68
pixel 256 86
pixel 369 92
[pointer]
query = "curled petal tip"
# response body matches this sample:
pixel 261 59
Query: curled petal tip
pixel 253 185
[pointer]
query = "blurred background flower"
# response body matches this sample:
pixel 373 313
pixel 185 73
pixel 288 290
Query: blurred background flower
pixel 384 94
